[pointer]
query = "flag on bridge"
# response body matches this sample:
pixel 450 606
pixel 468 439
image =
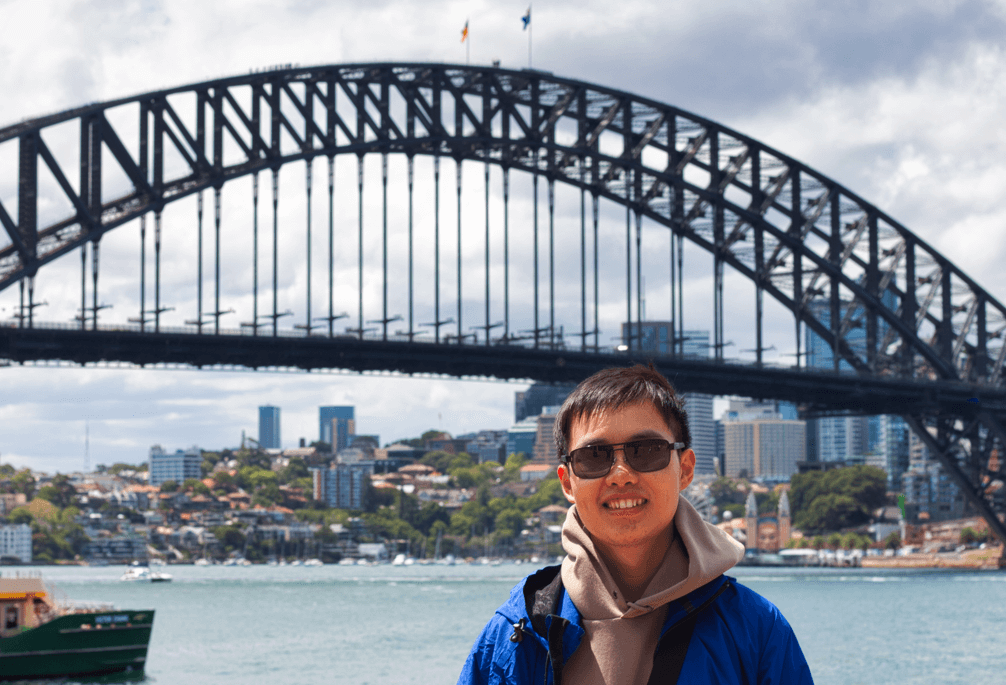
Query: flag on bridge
pixel 527 18
pixel 464 31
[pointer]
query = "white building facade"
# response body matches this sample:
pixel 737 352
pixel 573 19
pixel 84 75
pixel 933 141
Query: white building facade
pixel 178 466
pixel 15 541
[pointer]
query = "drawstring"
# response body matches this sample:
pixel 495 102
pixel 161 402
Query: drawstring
pixel 641 607
pixel 518 630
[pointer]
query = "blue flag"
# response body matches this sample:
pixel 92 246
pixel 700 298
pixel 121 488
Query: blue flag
pixel 526 18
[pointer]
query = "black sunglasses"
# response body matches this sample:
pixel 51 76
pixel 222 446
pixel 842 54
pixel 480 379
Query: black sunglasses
pixel 595 461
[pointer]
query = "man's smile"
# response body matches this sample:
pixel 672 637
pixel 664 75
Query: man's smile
pixel 625 503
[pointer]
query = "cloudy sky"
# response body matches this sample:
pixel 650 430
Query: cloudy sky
pixel 899 101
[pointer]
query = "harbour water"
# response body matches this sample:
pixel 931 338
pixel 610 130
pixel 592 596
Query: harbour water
pixel 385 625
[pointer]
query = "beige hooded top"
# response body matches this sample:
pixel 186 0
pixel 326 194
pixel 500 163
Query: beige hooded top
pixel 620 637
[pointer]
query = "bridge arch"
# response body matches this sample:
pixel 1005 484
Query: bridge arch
pixel 838 263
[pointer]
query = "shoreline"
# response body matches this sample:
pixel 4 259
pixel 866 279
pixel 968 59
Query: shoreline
pixel 970 559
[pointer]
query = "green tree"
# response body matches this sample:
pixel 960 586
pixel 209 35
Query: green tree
pixel 20 515
pixel 429 514
pixel 224 480
pixel 851 541
pixel 893 540
pixel 169 486
pixel 768 502
pixel 511 470
pixel 297 468
pixel 970 536
pixel 831 512
pixel 729 491
pixel 736 510
pixel 230 537
pixel 470 476
pixel 438 459
pixel 840 498
pixel 59 491
pixel 24 482
pixel 509 523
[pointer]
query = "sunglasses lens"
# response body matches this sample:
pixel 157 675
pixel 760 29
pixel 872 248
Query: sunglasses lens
pixel 591 462
pixel 648 455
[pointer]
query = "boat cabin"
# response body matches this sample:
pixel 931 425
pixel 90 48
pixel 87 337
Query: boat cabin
pixel 24 603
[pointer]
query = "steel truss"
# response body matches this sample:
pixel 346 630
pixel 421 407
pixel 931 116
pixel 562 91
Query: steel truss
pixel 889 306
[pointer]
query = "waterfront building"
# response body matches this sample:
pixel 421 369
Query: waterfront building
pixel 177 466
pixel 15 542
pixel 760 443
pixel 340 485
pixel 336 425
pixel 118 549
pixel 268 427
pixel 521 436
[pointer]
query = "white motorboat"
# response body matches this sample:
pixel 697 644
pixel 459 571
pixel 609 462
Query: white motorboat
pixel 143 574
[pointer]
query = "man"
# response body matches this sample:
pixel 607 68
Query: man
pixel 641 596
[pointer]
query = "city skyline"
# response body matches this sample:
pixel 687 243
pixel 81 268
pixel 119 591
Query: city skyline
pixel 893 102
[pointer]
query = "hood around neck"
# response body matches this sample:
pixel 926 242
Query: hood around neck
pixel 699 553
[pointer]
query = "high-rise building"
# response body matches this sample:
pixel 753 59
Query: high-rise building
pixel 930 493
pixel 760 440
pixel 703 429
pixel 339 485
pixel 766 448
pixel 530 402
pixel 336 425
pixel 179 466
pixel 521 437
pixel 268 427
pixel 544 442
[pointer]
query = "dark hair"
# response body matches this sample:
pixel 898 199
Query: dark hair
pixel 620 386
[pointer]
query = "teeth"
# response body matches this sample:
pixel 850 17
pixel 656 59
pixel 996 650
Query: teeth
pixel 624 503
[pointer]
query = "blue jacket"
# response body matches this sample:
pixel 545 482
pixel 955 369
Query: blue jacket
pixel 739 637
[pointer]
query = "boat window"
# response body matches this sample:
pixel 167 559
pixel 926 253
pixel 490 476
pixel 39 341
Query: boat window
pixel 10 618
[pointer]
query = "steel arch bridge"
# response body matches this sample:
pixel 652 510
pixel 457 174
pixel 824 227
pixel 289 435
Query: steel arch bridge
pixel 905 331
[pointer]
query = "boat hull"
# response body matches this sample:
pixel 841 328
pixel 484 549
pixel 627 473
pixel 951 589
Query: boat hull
pixel 88 644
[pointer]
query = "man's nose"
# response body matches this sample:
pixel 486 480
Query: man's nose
pixel 621 472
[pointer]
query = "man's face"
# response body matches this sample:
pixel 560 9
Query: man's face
pixel 626 508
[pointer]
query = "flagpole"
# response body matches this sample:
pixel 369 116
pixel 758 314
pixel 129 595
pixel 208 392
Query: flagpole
pixel 530 32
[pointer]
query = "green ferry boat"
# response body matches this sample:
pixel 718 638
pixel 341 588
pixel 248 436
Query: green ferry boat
pixel 43 638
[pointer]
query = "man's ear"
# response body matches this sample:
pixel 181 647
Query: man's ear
pixel 687 468
pixel 567 487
